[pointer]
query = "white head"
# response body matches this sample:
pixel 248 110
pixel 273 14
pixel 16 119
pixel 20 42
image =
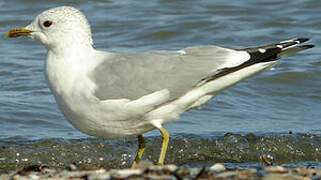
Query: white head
pixel 59 27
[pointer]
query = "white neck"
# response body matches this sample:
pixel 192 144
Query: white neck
pixel 63 66
pixel 69 47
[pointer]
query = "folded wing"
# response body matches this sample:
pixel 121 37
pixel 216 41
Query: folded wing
pixel 134 75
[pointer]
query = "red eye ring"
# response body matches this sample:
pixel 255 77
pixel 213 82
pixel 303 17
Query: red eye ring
pixel 47 23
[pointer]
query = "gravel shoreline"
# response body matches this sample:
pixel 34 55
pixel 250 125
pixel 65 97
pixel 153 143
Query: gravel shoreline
pixel 148 171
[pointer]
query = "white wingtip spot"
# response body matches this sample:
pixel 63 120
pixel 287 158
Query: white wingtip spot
pixel 286 41
pixel 279 46
pixel 262 50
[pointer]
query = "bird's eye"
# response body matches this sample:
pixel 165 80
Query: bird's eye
pixel 47 23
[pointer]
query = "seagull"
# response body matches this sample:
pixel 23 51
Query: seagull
pixel 116 95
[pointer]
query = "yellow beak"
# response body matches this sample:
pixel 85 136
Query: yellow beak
pixel 18 32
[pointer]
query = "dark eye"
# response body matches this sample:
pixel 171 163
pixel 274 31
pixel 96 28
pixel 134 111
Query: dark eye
pixel 47 23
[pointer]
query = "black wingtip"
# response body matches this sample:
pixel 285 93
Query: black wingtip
pixel 308 46
pixel 302 40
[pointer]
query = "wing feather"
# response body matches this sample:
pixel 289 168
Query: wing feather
pixel 133 75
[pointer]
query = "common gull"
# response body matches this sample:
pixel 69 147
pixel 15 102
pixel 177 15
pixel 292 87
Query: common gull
pixel 117 95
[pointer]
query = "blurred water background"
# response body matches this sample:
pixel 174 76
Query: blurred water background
pixel 277 112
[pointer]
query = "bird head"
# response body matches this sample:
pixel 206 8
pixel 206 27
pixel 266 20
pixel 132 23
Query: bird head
pixel 58 27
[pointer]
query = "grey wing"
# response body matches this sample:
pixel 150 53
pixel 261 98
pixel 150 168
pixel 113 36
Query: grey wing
pixel 134 75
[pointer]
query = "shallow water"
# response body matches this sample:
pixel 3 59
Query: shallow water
pixel 285 99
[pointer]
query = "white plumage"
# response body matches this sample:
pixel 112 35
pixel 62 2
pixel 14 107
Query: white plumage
pixel 112 95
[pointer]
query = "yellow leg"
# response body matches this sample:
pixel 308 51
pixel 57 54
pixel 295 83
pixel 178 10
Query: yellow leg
pixel 165 139
pixel 141 149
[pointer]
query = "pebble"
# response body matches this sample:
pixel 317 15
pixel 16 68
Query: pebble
pixel 276 169
pixel 217 167
pixel 170 171
pixel 125 173
pixel 267 159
